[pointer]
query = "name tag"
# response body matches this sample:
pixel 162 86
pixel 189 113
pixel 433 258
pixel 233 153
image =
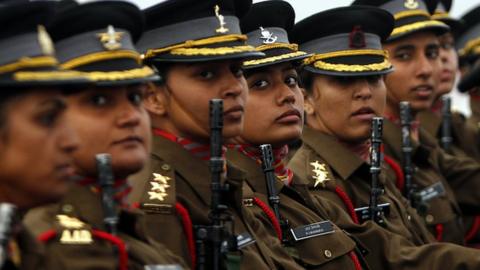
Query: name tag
pixel 163 267
pixel 432 191
pixel 244 239
pixel 312 230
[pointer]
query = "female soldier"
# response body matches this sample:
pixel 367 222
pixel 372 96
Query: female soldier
pixel 37 143
pixel 275 93
pixel 81 232
pixel 198 50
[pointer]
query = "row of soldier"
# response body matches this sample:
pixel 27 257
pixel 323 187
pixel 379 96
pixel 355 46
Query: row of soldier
pixel 219 134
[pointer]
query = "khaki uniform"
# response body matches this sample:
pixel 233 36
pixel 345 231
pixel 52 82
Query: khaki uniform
pixel 75 226
pixel 474 119
pixel 25 252
pixel 340 168
pixel 465 138
pixel 429 162
pixel 191 178
pixel 329 251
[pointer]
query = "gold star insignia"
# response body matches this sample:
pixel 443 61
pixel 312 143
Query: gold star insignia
pixel 160 178
pixel 320 173
pixel 157 195
pixel 158 187
pixel 111 39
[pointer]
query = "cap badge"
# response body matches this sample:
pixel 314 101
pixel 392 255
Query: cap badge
pixel 320 174
pixel 411 4
pixel 45 41
pixel 158 191
pixel 221 20
pixel 357 38
pixel 267 36
pixel 111 39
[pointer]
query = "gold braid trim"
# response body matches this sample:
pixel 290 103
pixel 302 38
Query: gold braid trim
pixel 29 62
pixel 320 56
pixel 48 75
pixel 293 47
pixel 353 68
pixel 415 26
pixel 273 59
pixel 120 75
pixel 441 15
pixel 212 51
pixel 469 47
pixel 99 56
pixel 411 13
pixel 195 43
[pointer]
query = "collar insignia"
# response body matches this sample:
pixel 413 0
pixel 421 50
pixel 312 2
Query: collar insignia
pixel 74 232
pixel 111 39
pixel 221 20
pixel 320 174
pixel 411 4
pixel 267 36
pixel 158 191
pixel 45 41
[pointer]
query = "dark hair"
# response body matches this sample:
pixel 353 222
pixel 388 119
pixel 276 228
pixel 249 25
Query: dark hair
pixel 7 95
pixel 306 80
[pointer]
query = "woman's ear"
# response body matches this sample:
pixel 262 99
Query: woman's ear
pixel 156 99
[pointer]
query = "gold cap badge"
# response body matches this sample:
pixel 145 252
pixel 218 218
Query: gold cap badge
pixel 320 174
pixel 111 39
pixel 158 191
pixel 45 41
pixel 267 36
pixel 411 4
pixel 222 29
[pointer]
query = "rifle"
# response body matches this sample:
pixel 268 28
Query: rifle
pixel 7 221
pixel 375 211
pixel 270 179
pixel 409 191
pixel 106 181
pixel 221 240
pixel 446 139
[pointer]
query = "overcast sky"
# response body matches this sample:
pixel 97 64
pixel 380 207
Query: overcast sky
pixel 304 8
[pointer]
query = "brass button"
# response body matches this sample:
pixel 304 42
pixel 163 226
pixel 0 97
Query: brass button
pixel 328 253
pixel 429 218
pixel 165 167
pixel 409 218
pixel 67 208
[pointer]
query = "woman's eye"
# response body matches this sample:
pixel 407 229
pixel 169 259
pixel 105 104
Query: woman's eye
pixel 48 119
pixel 433 54
pixel 260 84
pixel 402 56
pixel 291 81
pixel 99 100
pixel 206 74
pixel 237 71
pixel 135 98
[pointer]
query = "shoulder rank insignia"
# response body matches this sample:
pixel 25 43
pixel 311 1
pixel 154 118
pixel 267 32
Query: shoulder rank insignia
pixel 320 173
pixel 158 191
pixel 111 39
pixel 45 41
pixel 411 4
pixel 267 36
pixel 74 232
pixel 222 29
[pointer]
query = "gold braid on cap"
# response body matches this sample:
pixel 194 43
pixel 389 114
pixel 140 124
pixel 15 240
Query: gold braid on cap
pixel 415 26
pixel 137 73
pixel 321 56
pixel 440 15
pixel 293 47
pixel 353 68
pixel 273 58
pixel 22 76
pixel 100 56
pixel 187 48
pixel 471 47
pixel 411 13
pixel 29 62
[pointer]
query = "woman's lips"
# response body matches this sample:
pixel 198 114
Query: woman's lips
pixel 233 114
pixel 129 140
pixel 364 114
pixel 290 116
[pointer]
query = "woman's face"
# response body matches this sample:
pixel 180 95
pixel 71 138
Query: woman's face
pixel 36 148
pixel 182 101
pixel 449 68
pixel 274 111
pixel 344 106
pixel 111 120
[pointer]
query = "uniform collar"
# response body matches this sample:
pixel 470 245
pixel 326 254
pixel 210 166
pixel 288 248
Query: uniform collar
pixel 431 122
pixel 338 157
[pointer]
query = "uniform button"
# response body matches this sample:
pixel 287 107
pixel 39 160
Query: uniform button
pixel 429 218
pixel 67 208
pixel 165 167
pixel 328 253
pixel 409 218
